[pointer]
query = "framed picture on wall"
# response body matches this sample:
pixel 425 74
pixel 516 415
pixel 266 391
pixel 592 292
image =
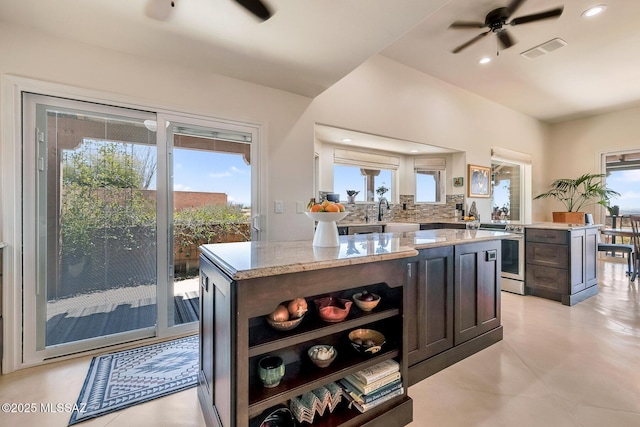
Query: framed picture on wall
pixel 478 181
pixel 458 181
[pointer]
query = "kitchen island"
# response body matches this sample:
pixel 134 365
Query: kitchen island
pixel 413 272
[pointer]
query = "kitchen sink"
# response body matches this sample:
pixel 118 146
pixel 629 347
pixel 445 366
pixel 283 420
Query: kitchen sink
pixel 392 227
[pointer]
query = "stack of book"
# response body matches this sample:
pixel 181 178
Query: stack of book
pixel 372 386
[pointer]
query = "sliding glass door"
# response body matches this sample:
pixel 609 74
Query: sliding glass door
pixel 114 212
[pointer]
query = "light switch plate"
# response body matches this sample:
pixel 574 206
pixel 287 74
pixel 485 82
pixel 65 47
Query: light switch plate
pixel 279 206
pixel 299 207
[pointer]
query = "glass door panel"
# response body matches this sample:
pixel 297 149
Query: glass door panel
pixel 211 203
pixel 96 276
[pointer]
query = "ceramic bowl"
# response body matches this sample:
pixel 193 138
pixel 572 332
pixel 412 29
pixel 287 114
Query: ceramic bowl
pixel 287 325
pixel 332 309
pixel 366 305
pixel 366 341
pixel 322 355
pixel 326 216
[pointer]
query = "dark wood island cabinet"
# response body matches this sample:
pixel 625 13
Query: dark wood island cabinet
pixel 454 305
pixel 440 303
pixel 235 334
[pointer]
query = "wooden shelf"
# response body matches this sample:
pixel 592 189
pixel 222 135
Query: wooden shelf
pixel 301 377
pixel 264 339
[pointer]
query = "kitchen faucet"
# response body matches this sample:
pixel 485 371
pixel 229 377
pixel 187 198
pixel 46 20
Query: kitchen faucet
pixel 380 213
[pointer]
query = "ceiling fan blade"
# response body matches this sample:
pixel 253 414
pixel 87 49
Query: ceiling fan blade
pixel 470 42
pixel 553 13
pixel 505 39
pixel 257 7
pixel 467 24
pixel 515 5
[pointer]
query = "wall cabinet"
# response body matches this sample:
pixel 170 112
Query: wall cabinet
pixel 561 264
pixel 235 336
pixel 454 305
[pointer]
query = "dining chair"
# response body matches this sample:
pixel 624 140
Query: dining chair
pixel 635 240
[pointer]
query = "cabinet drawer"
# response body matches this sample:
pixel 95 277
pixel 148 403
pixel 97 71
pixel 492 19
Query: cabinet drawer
pixel 548 279
pixel 547 255
pixel 559 237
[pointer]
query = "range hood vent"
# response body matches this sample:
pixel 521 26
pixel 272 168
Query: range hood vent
pixel 544 48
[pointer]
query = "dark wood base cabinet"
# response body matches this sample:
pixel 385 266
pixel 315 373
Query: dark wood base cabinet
pixel 235 336
pixel 454 305
pixel 561 265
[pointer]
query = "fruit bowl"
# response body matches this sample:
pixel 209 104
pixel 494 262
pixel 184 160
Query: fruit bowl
pixel 332 309
pixel 366 304
pixel 322 355
pixel 326 216
pixel 366 341
pixel 286 325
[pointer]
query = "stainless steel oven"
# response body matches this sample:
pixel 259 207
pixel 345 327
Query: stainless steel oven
pixel 512 256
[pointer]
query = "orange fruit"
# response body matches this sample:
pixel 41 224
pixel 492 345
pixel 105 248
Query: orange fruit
pixel 340 206
pixel 317 208
pixel 331 208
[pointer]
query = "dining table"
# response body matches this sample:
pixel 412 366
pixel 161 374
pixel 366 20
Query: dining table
pixel 617 232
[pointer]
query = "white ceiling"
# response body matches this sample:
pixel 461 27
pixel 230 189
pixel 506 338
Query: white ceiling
pixel 310 44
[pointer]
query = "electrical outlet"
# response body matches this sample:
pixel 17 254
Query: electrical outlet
pixel 300 207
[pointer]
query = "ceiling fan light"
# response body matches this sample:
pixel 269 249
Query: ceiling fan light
pixel 594 10
pixel 484 60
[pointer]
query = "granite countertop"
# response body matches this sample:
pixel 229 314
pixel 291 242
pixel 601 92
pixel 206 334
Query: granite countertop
pixel 247 260
pixel 562 226
pixel 346 223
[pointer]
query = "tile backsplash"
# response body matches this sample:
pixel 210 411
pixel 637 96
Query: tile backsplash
pixel 405 211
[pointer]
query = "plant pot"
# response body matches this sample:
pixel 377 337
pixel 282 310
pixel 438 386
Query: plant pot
pixel 569 217
pixel 351 199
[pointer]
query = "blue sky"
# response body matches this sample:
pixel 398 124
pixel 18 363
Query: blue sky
pixel 627 183
pixel 212 172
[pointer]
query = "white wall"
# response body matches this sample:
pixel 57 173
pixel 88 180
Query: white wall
pixel 386 98
pixel 577 146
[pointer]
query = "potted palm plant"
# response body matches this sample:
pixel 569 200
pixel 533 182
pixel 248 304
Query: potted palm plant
pixel 577 193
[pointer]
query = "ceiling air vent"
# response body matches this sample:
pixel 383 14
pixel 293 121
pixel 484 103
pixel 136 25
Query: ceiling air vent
pixel 544 48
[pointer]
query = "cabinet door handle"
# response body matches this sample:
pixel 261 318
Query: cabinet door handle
pixel 205 283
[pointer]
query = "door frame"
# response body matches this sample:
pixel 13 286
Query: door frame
pixel 11 222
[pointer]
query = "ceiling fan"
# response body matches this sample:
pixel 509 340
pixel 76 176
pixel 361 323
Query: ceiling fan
pixel 257 7
pixel 161 9
pixel 498 19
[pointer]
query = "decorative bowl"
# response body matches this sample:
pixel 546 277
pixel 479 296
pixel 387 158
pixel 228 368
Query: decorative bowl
pixel 332 309
pixel 366 305
pixel 287 325
pixel 366 341
pixel 326 216
pixel 322 355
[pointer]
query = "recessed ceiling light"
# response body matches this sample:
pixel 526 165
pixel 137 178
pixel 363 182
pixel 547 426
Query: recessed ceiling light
pixel 484 60
pixel 414 151
pixel 346 140
pixel 595 10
